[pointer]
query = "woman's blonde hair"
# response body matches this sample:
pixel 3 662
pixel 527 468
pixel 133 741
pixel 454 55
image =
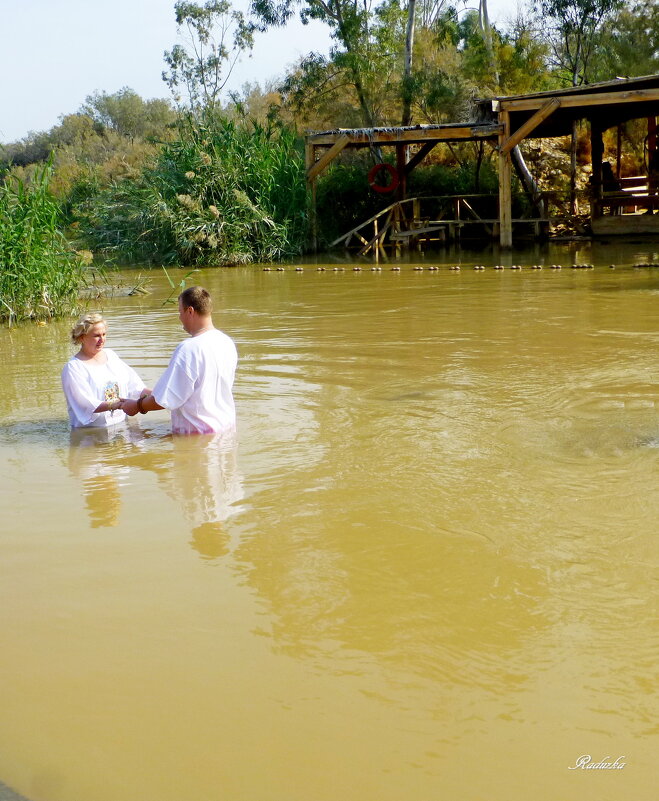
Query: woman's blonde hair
pixel 83 325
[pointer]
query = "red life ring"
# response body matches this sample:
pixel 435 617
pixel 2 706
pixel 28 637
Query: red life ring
pixel 391 186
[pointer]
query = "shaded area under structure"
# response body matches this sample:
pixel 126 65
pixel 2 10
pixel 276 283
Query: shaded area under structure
pixel 505 122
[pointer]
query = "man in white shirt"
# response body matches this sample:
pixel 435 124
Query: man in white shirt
pixel 197 385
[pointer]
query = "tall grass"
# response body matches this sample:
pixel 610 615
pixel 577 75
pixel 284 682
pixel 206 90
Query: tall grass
pixel 40 275
pixel 225 192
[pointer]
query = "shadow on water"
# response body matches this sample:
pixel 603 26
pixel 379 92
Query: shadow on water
pixel 7 794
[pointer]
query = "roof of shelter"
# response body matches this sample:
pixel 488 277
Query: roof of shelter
pixel 607 104
pixel 411 134
pixel 617 84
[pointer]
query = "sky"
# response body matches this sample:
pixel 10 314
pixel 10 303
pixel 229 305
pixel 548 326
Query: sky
pixel 55 53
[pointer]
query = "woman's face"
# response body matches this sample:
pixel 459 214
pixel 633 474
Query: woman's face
pixel 93 341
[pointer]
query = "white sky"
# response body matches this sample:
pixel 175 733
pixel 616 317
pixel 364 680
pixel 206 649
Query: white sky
pixel 54 53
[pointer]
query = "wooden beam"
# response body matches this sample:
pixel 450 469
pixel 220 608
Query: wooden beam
pixel 369 137
pixel 309 158
pixel 576 100
pixel 505 176
pixel 419 157
pixel 531 124
pixel 401 156
pixel 363 224
pixel 326 159
pixel 596 156
pixel 309 155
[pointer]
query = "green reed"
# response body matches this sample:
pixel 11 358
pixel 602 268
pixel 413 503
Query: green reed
pixel 40 275
pixel 224 193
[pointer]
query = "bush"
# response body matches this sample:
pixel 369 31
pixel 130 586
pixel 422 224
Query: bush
pixel 224 193
pixel 40 275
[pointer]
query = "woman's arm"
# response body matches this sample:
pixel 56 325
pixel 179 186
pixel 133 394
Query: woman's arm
pixel 108 406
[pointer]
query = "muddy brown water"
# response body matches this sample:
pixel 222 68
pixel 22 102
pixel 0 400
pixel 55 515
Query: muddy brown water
pixel 427 569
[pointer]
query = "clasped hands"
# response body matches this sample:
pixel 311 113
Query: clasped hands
pixel 132 407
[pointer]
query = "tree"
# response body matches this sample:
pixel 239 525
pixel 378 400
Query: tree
pixel 367 44
pixel 407 71
pixel 216 36
pixel 522 58
pixel 628 43
pixel 486 30
pixel 573 27
pixel 128 114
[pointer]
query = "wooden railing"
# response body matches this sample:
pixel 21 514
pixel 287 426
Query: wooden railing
pixel 403 224
pixel 635 192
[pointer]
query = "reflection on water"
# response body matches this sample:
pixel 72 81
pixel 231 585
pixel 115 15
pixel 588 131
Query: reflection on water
pixel 95 459
pixel 199 472
pixel 427 570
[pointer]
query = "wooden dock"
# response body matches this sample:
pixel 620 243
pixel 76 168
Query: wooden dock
pixel 504 123
pixel 404 225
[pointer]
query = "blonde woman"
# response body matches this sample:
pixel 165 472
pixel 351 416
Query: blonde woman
pixel 95 381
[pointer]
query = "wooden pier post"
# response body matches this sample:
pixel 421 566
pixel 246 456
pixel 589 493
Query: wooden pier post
pixel 596 155
pixel 401 160
pixel 310 158
pixel 505 177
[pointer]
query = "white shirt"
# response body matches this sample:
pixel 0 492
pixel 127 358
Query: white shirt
pixel 87 384
pixel 197 385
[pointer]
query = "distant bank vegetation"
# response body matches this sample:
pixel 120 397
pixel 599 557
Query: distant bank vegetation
pixel 217 180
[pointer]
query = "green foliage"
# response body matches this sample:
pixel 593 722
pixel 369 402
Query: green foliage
pixel 441 89
pixel 316 91
pixel 217 35
pixel 226 192
pixel 109 139
pixel 522 57
pixel 476 61
pixel 572 27
pixel 461 179
pixel 468 177
pixel 85 164
pixel 39 273
pixel 628 44
pixel 127 114
pixel 34 148
pixel 363 82
pixel 363 59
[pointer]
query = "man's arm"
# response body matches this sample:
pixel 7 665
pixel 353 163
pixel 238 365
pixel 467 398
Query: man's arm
pixel 144 404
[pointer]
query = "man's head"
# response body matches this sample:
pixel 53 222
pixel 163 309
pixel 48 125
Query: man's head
pixel 194 309
pixel 198 298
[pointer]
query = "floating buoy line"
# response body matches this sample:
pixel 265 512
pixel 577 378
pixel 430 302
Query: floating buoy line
pixel 434 268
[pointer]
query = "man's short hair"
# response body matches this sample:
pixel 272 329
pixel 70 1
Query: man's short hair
pixel 197 297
